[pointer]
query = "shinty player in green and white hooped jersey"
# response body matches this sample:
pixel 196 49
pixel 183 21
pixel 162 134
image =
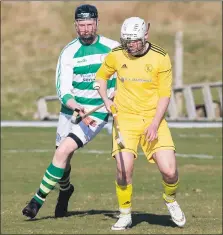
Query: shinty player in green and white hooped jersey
pixel 75 75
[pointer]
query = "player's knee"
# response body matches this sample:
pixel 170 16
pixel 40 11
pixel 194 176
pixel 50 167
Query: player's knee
pixel 170 174
pixel 63 152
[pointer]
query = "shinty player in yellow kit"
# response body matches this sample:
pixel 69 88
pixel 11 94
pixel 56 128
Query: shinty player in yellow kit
pixel 142 96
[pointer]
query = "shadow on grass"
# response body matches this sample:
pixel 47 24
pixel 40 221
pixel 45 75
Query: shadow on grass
pixel 137 217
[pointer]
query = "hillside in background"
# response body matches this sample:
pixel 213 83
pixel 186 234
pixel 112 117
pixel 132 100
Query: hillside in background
pixel 33 34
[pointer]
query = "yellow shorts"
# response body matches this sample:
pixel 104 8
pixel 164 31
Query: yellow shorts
pixel 132 129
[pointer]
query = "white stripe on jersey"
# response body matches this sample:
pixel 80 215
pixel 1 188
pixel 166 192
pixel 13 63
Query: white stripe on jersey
pixel 88 60
pixel 84 77
pixel 89 93
pixel 109 42
pixel 89 77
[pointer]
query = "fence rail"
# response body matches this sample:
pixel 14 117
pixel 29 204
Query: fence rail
pixel 211 110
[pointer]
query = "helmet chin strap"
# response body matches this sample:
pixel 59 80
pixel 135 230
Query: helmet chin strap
pixel 138 52
pixel 144 48
pixel 141 51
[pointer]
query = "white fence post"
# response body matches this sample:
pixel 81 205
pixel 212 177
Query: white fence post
pixel 178 68
pixel 208 102
pixel 178 71
pixel 190 104
pixel 220 95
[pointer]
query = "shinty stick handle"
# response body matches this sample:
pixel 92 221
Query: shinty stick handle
pixel 80 118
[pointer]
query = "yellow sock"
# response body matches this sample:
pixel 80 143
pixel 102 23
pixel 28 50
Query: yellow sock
pixel 169 194
pixel 124 194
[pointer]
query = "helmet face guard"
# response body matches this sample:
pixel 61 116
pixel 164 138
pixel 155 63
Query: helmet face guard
pixel 86 19
pixel 133 35
pixel 133 47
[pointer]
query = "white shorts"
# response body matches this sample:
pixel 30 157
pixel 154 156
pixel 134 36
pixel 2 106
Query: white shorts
pixel 83 132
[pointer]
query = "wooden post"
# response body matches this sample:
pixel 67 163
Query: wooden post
pixel 178 71
pixel 190 104
pixel 172 108
pixel 42 108
pixel 208 102
pixel 220 94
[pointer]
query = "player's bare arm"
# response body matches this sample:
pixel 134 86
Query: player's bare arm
pixel 161 109
pixel 151 130
pixel 164 91
pixel 74 106
pixel 103 93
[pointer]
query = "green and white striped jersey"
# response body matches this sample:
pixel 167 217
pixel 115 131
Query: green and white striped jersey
pixel 75 74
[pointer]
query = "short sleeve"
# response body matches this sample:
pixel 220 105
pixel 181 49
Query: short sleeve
pixel 107 68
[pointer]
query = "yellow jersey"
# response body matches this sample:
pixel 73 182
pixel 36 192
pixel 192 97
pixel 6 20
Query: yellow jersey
pixel 141 80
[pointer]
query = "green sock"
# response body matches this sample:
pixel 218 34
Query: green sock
pixel 52 175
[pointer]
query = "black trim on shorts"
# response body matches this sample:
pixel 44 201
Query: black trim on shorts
pixel 76 139
pixel 126 149
pixel 164 146
pixel 161 147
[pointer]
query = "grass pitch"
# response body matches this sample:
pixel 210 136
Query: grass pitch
pixel 26 152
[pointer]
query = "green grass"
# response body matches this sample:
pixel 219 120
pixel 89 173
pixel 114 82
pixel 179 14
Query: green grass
pixel 93 205
pixel 31 44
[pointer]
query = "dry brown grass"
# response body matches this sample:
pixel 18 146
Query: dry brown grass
pixel 200 168
pixel 33 33
pixel 162 12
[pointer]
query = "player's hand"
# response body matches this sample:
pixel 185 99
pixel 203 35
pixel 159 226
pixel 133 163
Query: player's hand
pixel 78 108
pixel 108 104
pixel 112 96
pixel 88 120
pixel 151 132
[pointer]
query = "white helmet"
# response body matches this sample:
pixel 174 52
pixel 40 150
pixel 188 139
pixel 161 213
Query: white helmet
pixel 133 28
